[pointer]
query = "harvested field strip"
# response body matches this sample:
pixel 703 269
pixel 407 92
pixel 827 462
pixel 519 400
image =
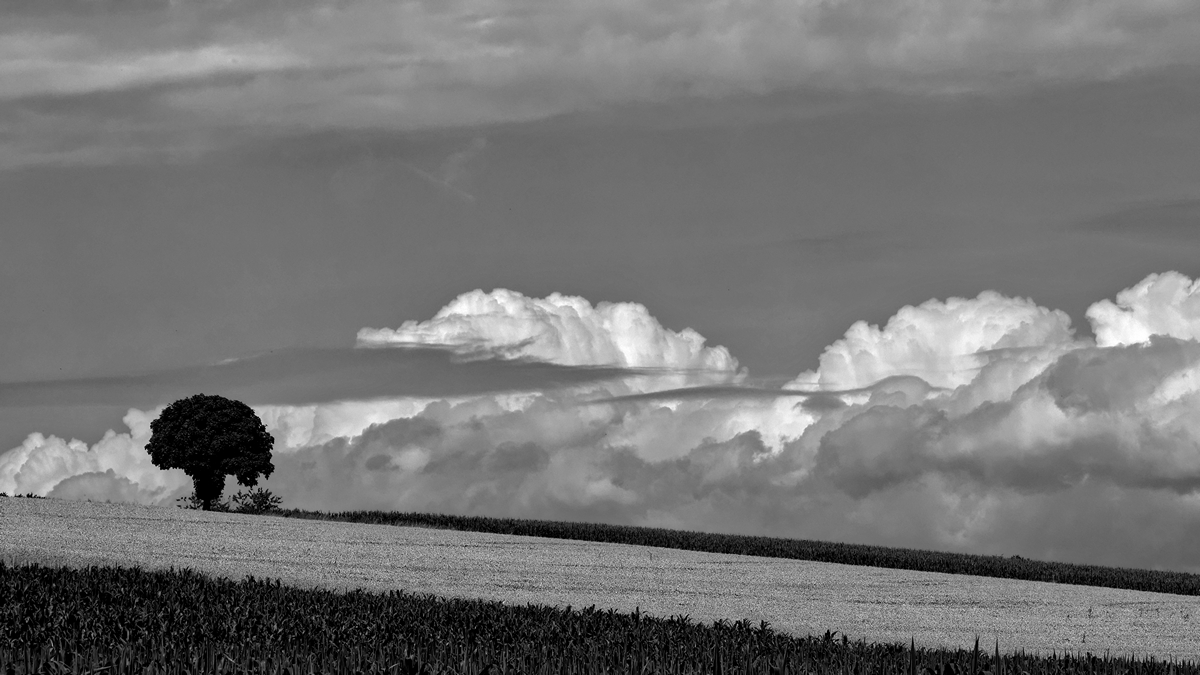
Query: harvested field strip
pixel 1011 567
pixel 797 597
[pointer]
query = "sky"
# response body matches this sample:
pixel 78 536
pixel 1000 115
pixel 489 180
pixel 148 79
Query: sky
pixel 918 273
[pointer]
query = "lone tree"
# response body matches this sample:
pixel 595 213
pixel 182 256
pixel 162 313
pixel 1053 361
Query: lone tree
pixel 210 437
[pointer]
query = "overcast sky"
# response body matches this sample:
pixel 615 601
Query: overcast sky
pixel 558 209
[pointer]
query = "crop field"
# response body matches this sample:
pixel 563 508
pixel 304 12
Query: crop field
pixel 798 597
pixel 917 560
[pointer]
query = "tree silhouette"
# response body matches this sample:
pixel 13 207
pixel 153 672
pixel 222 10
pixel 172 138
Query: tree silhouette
pixel 210 437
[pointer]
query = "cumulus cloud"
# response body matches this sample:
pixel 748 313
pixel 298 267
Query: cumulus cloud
pixel 944 343
pixel 382 64
pixel 117 468
pixel 560 329
pixel 1161 304
pixel 971 424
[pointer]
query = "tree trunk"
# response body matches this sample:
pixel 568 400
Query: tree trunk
pixel 208 489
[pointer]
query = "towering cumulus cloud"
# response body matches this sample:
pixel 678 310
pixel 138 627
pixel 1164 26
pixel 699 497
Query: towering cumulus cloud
pixel 973 424
pixel 941 342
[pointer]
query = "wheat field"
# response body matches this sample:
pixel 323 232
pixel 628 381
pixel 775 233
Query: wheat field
pixel 799 597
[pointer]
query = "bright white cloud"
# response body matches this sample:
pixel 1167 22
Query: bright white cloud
pixel 939 342
pixel 1043 444
pixel 299 426
pixel 561 329
pixel 117 468
pixel 1161 304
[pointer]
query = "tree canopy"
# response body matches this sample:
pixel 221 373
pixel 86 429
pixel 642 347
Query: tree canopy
pixel 211 437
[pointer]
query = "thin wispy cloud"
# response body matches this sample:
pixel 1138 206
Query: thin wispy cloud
pixel 453 171
pixel 69 65
pixel 404 66
pixel 453 175
pixel 318 375
pixel 820 397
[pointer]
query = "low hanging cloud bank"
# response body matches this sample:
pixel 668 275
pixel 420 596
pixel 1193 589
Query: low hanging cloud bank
pixel 980 425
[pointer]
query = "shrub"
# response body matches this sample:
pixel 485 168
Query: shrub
pixel 255 501
pixel 192 502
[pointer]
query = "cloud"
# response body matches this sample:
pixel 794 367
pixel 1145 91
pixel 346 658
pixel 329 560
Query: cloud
pixel 97 486
pixel 65 65
pixel 414 65
pixel 116 468
pixel 1161 304
pixel 817 399
pixel 560 329
pixel 454 175
pixel 943 343
pixel 981 425
pixel 454 171
pixel 1118 378
pixel 319 375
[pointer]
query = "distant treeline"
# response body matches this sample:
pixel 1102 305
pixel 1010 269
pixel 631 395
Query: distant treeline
pixel 118 621
pixel 1015 567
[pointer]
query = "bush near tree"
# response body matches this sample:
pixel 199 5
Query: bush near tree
pixel 254 501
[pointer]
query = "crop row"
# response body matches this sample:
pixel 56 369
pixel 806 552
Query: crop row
pixel 129 620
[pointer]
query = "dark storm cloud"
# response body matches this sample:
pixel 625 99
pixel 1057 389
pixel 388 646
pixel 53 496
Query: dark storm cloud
pixel 301 376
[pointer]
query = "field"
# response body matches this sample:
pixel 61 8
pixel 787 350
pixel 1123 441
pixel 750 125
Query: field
pixel 799 597
pixel 916 560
